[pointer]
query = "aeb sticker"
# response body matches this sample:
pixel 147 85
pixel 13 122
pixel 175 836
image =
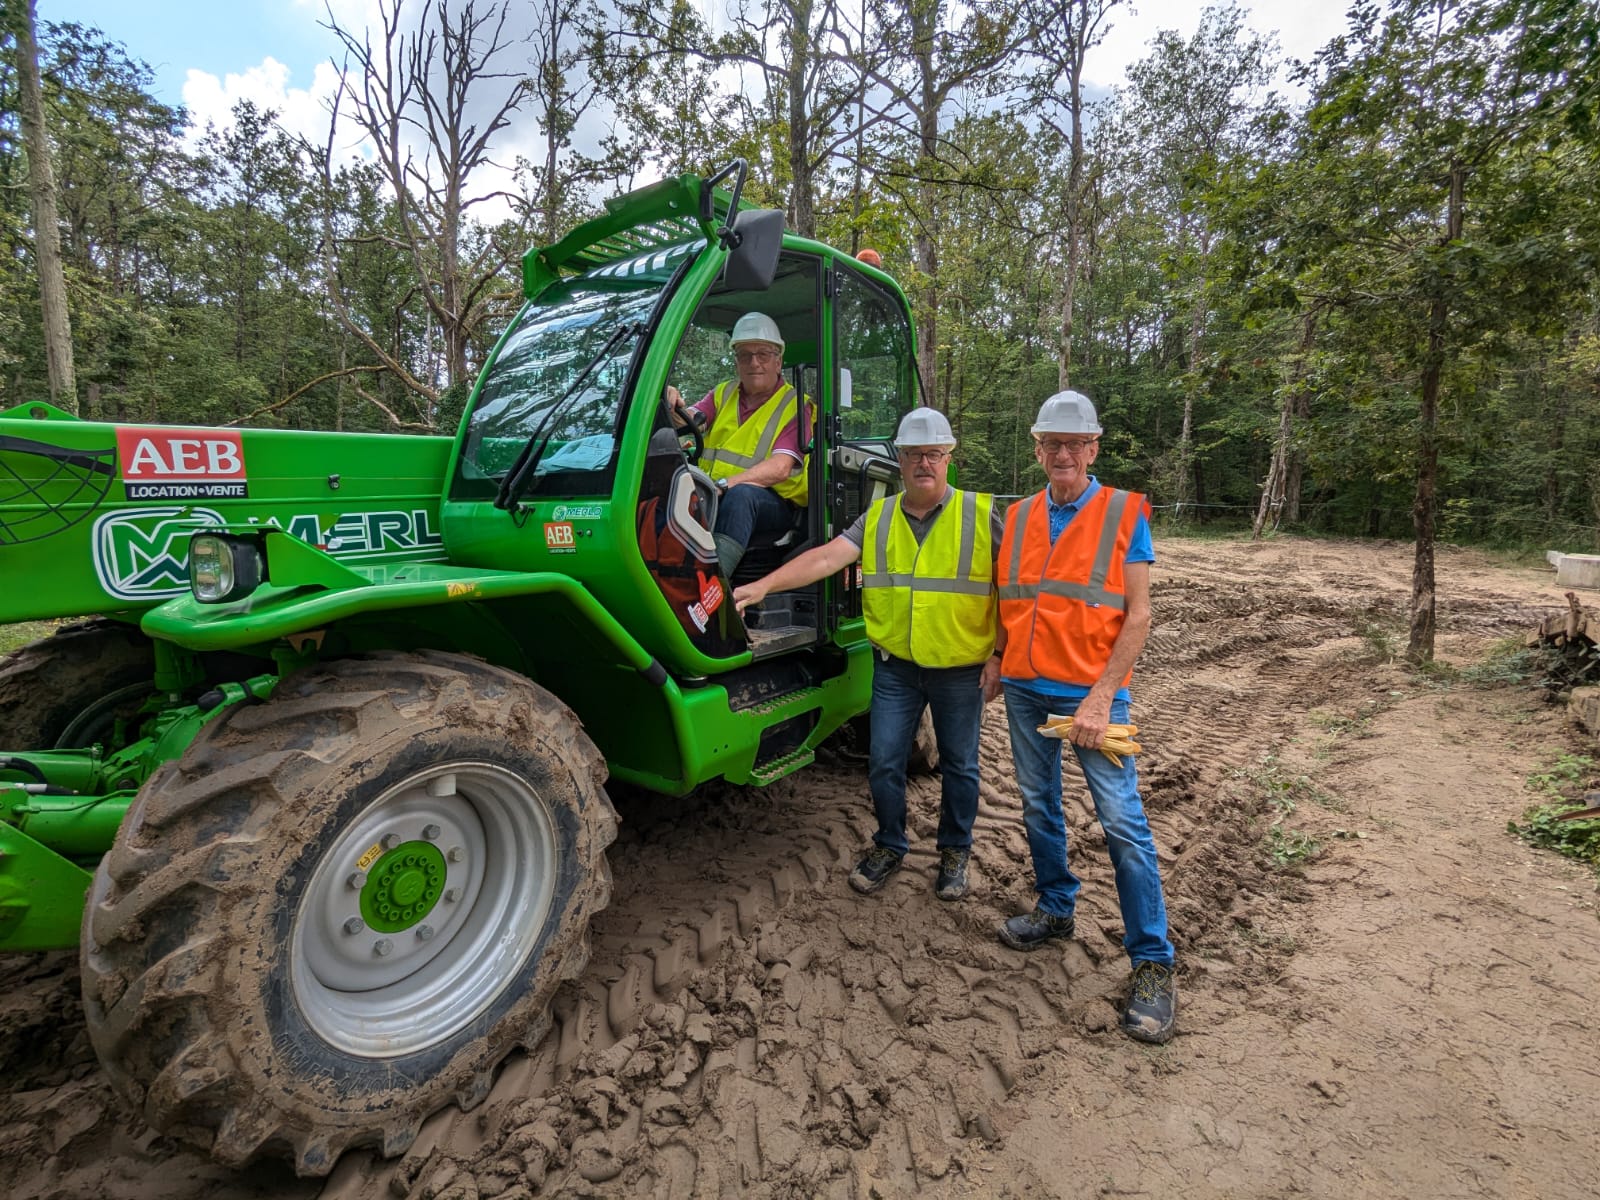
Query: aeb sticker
pixel 559 538
pixel 161 463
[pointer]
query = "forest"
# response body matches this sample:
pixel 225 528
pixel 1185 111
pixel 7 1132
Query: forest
pixel 1352 295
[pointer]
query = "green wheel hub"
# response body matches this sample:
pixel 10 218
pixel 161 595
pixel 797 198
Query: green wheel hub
pixel 403 886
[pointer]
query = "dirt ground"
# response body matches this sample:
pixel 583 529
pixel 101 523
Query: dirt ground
pixel 1382 992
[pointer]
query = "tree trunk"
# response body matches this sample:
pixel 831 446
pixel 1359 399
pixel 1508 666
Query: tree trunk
pixel 46 220
pixel 1285 461
pixel 1074 214
pixel 1424 509
pixel 1197 318
pixel 924 25
pixel 803 198
pixel 1297 462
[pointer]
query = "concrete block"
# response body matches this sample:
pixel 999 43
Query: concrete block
pixel 1553 557
pixel 1585 705
pixel 1579 570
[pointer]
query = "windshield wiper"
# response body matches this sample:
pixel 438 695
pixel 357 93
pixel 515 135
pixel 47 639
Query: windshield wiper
pixel 516 480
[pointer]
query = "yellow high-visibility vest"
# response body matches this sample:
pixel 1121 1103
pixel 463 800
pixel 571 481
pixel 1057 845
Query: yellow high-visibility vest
pixel 933 603
pixel 732 447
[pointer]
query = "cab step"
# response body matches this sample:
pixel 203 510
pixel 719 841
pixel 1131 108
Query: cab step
pixel 774 769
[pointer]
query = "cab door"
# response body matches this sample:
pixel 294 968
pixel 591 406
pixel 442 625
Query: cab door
pixel 874 386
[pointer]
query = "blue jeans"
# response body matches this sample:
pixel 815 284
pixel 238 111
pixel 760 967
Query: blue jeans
pixel 900 691
pixel 1115 791
pixel 746 510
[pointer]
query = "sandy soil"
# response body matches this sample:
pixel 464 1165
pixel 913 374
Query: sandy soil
pixel 1406 1010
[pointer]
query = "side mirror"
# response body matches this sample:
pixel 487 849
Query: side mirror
pixel 757 239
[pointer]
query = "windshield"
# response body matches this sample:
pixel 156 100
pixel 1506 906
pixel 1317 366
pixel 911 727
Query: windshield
pixel 554 340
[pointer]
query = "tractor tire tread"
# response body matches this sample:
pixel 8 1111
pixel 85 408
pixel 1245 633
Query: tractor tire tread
pixel 161 934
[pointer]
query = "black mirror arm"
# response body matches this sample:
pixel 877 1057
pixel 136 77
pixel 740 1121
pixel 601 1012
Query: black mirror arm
pixel 726 235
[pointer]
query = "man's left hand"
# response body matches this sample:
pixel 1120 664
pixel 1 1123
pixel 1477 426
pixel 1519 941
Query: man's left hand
pixel 989 681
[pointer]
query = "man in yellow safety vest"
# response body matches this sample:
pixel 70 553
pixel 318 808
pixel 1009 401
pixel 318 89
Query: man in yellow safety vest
pixel 927 561
pixel 754 442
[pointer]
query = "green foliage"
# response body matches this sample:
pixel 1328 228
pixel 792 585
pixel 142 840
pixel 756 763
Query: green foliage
pixel 1509 662
pixel 1289 848
pixel 1252 276
pixel 1543 827
pixel 1558 785
pixel 1562 776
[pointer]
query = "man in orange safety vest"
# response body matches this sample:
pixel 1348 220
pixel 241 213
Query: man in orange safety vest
pixel 1073 575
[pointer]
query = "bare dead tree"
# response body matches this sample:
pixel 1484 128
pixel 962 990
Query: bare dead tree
pixel 431 97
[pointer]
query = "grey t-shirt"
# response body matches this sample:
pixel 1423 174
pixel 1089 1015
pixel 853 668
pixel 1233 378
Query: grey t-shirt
pixel 857 533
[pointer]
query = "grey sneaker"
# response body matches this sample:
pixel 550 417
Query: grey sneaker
pixel 1032 930
pixel 952 882
pixel 1152 1012
pixel 874 869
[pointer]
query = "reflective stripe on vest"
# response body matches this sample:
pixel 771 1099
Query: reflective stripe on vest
pixel 1063 616
pixel 733 446
pixel 933 603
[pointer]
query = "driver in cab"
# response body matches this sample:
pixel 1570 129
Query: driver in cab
pixel 753 440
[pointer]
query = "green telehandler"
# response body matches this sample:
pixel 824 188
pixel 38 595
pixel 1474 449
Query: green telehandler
pixel 314 775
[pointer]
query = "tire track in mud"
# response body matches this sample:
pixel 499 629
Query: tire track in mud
pixel 796 1037
pixel 749 1025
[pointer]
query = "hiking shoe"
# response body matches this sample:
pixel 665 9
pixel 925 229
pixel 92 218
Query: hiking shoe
pixel 1152 1012
pixel 952 881
pixel 1032 930
pixel 874 869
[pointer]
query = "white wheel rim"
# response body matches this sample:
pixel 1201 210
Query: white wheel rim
pixel 498 844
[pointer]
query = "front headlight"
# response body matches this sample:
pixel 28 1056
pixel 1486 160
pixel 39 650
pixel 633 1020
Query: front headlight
pixel 222 568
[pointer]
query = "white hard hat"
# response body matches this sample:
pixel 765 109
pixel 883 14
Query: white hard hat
pixel 755 327
pixel 1067 412
pixel 924 427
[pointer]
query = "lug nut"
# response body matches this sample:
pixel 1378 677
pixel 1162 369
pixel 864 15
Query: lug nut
pixel 455 854
pixel 424 933
pixel 451 895
pixel 354 925
pixel 431 832
pixel 356 880
pixel 391 840
pixel 382 947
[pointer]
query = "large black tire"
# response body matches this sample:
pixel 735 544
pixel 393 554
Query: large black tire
pixel 67 690
pixel 226 992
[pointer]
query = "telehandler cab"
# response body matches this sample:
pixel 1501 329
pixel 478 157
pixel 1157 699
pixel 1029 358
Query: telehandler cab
pixel 317 785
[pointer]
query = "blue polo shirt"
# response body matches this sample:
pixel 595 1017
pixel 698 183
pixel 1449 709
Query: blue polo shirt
pixel 1139 550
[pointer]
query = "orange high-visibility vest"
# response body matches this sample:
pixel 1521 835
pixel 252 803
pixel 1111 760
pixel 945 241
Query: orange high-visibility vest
pixel 1062 606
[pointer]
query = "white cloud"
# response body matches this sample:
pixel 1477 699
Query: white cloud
pixel 304 112
pixel 1302 28
pixel 301 111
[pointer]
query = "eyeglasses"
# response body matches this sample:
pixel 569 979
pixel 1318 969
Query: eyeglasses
pixel 754 356
pixel 927 456
pixel 1074 448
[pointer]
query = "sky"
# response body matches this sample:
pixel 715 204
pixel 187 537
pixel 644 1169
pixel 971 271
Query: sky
pixel 206 57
